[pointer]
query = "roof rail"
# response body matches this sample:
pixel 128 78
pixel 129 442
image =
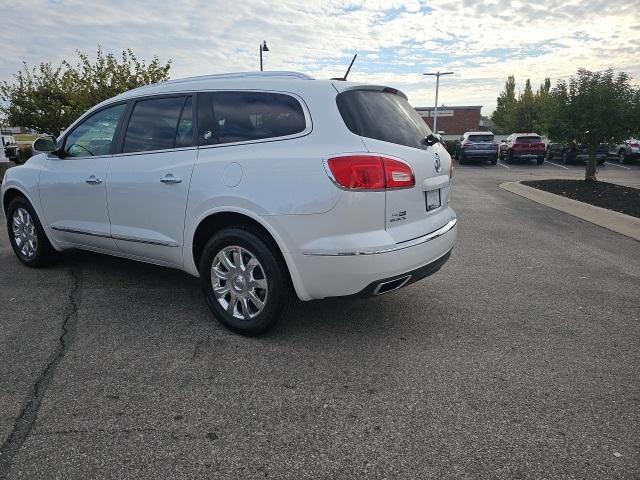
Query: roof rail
pixel 221 76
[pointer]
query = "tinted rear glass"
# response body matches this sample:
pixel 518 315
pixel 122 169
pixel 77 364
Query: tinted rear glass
pixel 153 124
pixel 529 139
pixel 384 116
pixel 227 117
pixel 481 138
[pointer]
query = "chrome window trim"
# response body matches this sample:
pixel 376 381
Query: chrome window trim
pixel 145 152
pixel 399 246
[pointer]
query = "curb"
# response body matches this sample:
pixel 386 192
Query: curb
pixel 614 221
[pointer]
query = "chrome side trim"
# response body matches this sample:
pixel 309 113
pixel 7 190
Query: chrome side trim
pixel 144 240
pixel 79 232
pixel 399 246
pixel 114 237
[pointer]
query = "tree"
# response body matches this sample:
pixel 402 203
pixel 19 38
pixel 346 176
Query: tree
pixel 48 99
pixel 502 116
pixel 594 108
pixel 524 117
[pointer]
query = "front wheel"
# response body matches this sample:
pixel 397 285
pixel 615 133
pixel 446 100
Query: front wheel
pixel 26 235
pixel 494 161
pixel 244 283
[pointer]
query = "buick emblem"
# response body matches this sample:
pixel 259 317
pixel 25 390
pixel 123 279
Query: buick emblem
pixel 436 163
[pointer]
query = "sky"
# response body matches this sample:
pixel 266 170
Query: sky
pixel 396 40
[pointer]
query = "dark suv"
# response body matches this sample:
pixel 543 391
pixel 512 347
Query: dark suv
pixel 523 146
pixel 575 152
pixel 477 146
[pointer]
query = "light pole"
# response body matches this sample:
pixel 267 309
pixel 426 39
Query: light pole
pixel 435 112
pixel 263 48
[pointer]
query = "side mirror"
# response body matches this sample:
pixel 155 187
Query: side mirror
pixel 43 145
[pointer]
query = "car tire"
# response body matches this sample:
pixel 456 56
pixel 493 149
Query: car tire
pixel 622 156
pixel 245 283
pixel 509 157
pixel 600 162
pixel 565 158
pixel 461 158
pixel 540 160
pixel 494 161
pixel 27 237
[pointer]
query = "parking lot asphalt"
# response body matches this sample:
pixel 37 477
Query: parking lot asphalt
pixel 519 359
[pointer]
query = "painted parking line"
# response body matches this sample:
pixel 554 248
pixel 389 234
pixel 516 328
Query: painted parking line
pixel 557 165
pixel 503 165
pixel 616 165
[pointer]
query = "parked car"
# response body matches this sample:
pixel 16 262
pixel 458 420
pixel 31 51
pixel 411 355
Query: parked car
pixel 573 153
pixel 10 147
pixel 477 146
pixel 523 146
pixel 628 150
pixel 254 182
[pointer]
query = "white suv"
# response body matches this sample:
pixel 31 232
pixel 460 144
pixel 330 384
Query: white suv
pixel 261 184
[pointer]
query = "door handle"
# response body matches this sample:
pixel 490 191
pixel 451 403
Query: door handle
pixel 93 180
pixel 169 178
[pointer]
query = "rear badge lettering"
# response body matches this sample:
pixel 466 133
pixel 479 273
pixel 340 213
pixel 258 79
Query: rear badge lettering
pixel 398 216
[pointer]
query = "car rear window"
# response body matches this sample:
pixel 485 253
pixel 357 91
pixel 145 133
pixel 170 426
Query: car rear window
pixel 529 139
pixel 481 138
pixel 383 116
pixel 228 117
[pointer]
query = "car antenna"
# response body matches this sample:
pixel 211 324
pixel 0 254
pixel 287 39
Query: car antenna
pixel 344 79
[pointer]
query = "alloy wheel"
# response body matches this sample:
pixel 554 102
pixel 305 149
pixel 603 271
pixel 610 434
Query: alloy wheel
pixel 239 282
pixel 24 232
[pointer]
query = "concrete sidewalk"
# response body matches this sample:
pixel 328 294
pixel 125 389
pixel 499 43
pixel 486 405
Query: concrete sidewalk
pixel 609 219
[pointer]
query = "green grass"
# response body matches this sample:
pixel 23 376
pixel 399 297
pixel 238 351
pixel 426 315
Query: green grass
pixel 25 137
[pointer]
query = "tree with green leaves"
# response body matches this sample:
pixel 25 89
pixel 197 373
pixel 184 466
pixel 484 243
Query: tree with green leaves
pixel 594 108
pixel 49 98
pixel 502 116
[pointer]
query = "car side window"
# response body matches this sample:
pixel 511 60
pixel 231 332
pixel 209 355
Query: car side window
pixel 227 117
pixel 94 135
pixel 154 124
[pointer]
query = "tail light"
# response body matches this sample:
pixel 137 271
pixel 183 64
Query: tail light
pixel 370 172
pixel 634 145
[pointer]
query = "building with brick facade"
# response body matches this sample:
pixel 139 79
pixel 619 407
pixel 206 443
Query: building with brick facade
pixel 453 120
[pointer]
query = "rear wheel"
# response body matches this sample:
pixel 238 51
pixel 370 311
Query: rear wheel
pixel 509 157
pixel 245 285
pixel 461 158
pixel 494 160
pixel 540 160
pixel 27 237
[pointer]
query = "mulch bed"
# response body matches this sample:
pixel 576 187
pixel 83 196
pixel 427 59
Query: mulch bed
pixel 601 194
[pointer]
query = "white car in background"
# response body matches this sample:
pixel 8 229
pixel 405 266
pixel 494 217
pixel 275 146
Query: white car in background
pixel 629 150
pixel 261 184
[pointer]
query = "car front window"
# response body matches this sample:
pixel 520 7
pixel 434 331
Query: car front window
pixel 94 135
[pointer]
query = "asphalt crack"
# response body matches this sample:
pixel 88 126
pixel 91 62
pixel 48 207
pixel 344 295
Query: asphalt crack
pixel 28 415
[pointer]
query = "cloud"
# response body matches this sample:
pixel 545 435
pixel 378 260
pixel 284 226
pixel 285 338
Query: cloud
pixel 482 41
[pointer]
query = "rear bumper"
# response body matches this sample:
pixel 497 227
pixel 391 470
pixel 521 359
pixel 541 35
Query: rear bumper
pixel 480 153
pixel 360 272
pixel 528 156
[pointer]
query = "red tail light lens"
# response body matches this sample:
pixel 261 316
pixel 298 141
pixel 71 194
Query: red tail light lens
pixel 634 145
pixel 397 174
pixel 370 172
